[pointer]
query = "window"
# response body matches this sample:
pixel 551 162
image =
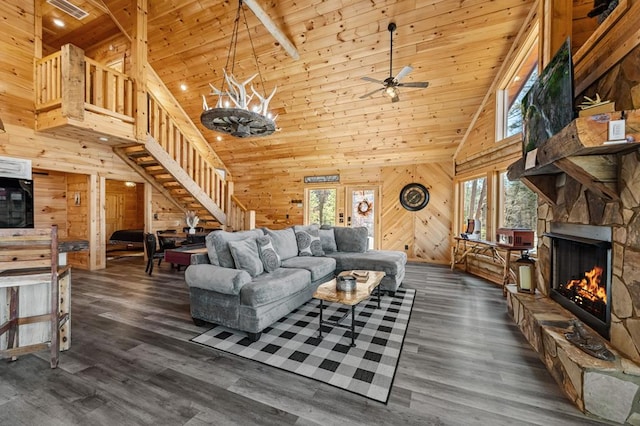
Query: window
pixel 514 113
pixel 519 205
pixel 514 87
pixel 321 206
pixel 474 205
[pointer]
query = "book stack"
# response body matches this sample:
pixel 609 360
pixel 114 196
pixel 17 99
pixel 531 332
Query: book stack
pixel 360 276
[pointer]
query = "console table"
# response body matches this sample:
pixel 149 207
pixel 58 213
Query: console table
pixel 463 248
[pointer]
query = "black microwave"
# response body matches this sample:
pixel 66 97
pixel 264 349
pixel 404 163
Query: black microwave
pixel 16 203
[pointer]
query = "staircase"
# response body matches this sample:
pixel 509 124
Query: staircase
pixel 76 95
pixel 173 165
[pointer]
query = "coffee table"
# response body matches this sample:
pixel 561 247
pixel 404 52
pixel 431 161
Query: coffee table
pixel 327 292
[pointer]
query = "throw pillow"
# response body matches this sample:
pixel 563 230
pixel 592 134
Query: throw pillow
pixel 328 240
pixel 246 257
pixel 354 240
pixel 284 241
pixel 308 239
pixel 270 259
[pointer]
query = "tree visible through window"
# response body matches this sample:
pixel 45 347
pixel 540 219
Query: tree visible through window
pixel 514 114
pixel 322 206
pixel 475 204
pixel 520 205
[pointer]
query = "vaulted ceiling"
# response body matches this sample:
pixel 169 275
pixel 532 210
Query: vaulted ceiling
pixel 457 46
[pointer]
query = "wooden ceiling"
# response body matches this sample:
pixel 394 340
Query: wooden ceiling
pixel 457 47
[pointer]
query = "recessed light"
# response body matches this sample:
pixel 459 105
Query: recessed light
pixel 103 138
pixel 58 22
pixel 219 138
pixel 183 87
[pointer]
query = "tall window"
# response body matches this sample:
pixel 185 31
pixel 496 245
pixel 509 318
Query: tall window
pixel 519 205
pixel 519 79
pixel 474 199
pixel 514 113
pixel 321 206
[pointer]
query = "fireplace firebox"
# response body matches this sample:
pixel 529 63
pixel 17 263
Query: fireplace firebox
pixel 581 272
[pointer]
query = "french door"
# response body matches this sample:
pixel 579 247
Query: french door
pixel 362 209
pixel 338 205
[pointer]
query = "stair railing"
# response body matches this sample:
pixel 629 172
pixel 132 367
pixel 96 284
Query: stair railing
pixel 165 131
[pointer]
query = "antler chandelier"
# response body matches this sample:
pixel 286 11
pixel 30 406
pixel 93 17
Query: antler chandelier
pixel 234 113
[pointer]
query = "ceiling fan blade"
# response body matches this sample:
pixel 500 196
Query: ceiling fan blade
pixel 403 72
pixel 371 93
pixel 372 80
pixel 422 84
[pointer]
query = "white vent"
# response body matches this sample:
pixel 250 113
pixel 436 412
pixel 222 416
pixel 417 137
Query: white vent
pixel 69 8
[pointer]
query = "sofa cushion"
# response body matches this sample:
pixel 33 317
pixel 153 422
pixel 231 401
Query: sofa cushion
pixel 245 256
pixel 308 239
pixel 278 285
pixel 220 243
pixel 389 261
pixel 353 240
pixel 270 258
pixel 328 240
pixel 284 241
pixel 318 266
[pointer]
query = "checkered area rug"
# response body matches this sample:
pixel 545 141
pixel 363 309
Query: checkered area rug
pixel 293 344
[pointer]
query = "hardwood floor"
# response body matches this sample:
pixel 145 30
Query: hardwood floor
pixel 463 363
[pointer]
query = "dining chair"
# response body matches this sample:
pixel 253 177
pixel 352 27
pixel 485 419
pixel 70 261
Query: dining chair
pixel 150 244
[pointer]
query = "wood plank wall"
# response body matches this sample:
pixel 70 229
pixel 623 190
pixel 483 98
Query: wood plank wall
pixel 424 233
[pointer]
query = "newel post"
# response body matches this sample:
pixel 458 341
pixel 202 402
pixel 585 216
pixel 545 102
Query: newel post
pixel 73 82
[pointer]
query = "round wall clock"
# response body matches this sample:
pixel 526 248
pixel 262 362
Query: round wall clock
pixel 414 197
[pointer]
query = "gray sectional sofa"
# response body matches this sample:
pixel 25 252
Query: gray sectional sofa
pixel 250 279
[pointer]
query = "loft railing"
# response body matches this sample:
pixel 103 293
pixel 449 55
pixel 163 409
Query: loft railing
pixel 75 83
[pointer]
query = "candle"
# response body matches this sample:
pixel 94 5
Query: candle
pixel 525 277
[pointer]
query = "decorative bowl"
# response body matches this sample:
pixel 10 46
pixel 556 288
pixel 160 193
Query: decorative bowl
pixel 345 283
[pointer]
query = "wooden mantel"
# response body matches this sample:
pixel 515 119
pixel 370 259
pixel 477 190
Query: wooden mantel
pixel 582 152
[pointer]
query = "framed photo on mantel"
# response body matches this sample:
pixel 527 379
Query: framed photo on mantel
pixel 322 179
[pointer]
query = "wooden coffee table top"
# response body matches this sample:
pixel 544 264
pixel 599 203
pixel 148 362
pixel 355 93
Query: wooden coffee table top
pixel 328 292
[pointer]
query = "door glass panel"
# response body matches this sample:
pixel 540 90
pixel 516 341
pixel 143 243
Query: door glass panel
pixel 362 211
pixel 322 206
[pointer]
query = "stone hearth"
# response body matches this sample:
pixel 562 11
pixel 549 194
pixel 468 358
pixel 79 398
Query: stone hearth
pixel 608 390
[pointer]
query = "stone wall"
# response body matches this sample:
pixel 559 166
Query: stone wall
pixel 576 204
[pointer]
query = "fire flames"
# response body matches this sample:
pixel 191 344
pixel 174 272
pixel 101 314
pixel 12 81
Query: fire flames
pixel 589 286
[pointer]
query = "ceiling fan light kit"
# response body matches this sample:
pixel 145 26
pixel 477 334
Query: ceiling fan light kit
pixel 391 83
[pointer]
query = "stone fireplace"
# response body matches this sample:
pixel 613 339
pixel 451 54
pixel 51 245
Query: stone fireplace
pixel 610 390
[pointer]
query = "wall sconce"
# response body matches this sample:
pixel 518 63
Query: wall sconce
pixel 525 273
pixel 76 198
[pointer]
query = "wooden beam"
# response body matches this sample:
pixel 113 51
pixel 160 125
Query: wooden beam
pixel 139 67
pixel 273 29
pixel 99 4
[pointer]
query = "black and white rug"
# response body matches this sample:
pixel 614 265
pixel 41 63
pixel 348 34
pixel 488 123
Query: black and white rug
pixel 293 344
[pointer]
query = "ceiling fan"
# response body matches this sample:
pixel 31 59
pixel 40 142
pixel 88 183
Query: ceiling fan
pixel 391 83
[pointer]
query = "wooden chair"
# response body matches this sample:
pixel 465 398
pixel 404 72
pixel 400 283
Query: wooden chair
pixel 28 265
